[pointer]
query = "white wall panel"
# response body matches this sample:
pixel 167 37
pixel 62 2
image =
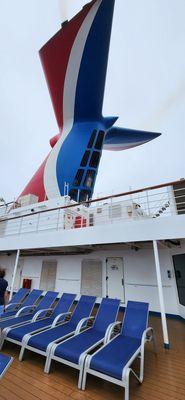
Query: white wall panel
pixel 139 271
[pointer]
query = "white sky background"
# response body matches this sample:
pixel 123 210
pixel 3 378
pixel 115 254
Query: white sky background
pixel 145 88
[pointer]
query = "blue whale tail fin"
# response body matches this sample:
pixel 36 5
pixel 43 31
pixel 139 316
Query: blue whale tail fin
pixel 123 138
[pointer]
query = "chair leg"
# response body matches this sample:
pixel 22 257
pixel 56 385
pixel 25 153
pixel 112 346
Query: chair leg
pixel 127 384
pixel 82 361
pixel 80 378
pixel 3 337
pixel 86 365
pixel 127 392
pixel 50 351
pixel 83 383
pixel 141 374
pixel 21 354
pixel 47 364
pixel 1 342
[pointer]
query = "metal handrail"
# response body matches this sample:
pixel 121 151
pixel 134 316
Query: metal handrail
pixel 8 204
pixel 122 194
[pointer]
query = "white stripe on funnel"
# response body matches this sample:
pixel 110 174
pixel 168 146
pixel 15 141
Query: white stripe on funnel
pixel 122 146
pixel 70 84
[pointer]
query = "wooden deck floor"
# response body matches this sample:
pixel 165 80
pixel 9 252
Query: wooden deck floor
pixel 164 375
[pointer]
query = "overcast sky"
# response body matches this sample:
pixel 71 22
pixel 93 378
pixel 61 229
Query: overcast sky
pixel 145 88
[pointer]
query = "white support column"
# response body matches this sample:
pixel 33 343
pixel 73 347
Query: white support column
pixel 14 274
pixel 161 296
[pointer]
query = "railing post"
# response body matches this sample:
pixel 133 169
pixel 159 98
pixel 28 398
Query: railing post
pixel 14 274
pixel 24 217
pixel 58 220
pixel 148 206
pixel 172 200
pixel 111 210
pixel 161 296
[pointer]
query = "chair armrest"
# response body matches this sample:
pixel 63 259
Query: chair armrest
pixel 40 312
pixel 58 317
pixel 146 331
pixel 81 323
pixel 110 331
pixel 144 336
pixel 24 308
pixel 12 305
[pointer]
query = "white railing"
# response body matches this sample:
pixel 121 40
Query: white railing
pixel 149 203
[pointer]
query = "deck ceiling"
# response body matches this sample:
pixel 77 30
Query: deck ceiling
pixel 74 250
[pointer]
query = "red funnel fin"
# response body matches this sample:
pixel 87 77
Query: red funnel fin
pixel 55 56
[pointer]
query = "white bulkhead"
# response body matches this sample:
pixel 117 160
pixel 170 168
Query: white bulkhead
pixel 129 274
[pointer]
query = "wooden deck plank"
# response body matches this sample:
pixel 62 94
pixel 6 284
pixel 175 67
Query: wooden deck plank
pixel 7 394
pixel 35 388
pixel 164 375
pixel 45 385
pixel 35 373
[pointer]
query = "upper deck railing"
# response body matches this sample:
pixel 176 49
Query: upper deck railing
pixel 147 203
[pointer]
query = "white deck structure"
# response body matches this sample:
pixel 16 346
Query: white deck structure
pixel 110 248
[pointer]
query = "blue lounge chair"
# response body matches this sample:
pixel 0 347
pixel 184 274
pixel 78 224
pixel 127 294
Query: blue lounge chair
pixel 15 303
pixel 16 334
pixel 42 342
pixel 17 299
pixel 19 295
pixel 25 314
pixel 113 361
pixel 30 300
pixel 73 351
pixel 5 362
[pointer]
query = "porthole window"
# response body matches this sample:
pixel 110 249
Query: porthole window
pixel 89 179
pixel 99 141
pixel 95 158
pixel 85 158
pixel 78 177
pixel 92 138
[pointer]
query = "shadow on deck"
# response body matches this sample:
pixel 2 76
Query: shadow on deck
pixel 164 375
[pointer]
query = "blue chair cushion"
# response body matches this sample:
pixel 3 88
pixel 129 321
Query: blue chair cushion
pixel 135 320
pixel 16 320
pixel 7 314
pixel 4 361
pixel 64 304
pixel 46 302
pixel 114 356
pixel 19 295
pixel 13 304
pixel 19 332
pixel 107 314
pixel 62 307
pixel 72 349
pixel 29 301
pixel 41 341
pixel 82 310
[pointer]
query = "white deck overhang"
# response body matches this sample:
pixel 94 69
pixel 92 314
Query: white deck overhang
pixel 172 227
